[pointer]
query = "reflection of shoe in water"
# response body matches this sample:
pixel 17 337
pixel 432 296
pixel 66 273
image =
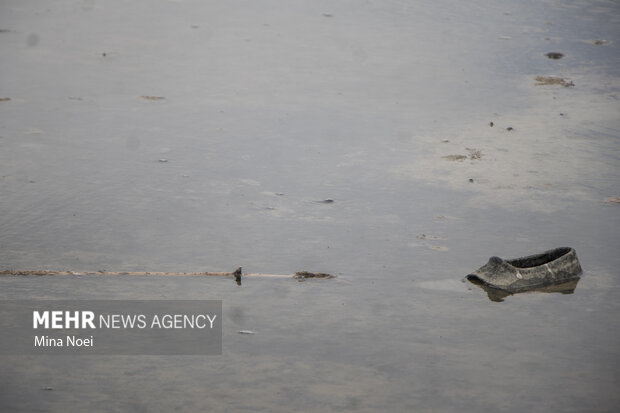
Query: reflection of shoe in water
pixel 534 271
pixel 498 295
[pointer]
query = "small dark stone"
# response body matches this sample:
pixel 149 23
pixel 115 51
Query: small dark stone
pixel 471 180
pixel 555 55
pixel 491 124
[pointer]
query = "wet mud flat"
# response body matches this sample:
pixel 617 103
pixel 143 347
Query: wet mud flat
pixel 396 145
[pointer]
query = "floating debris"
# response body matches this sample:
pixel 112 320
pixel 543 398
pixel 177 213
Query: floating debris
pixel 455 157
pixel 600 42
pixel 163 160
pixel 474 153
pixel 303 275
pixel 554 55
pixel 153 98
pixel 551 80
pixel 237 275
pixel 510 128
pixel 325 201
pixel 612 200
pixel 471 180
pixel 328 15
pixel 430 237
pixel 4 99
pixel 491 124
pixel 249 332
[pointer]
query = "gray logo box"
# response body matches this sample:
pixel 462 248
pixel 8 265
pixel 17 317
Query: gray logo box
pixel 111 327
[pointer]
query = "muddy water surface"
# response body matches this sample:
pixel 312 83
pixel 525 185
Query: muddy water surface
pixel 199 136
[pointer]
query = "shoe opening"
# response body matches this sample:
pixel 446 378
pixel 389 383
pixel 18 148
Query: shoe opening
pixel 539 259
pixel 475 279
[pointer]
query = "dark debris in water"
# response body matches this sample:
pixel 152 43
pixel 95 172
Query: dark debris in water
pixel 304 275
pixel 551 80
pixel 237 274
pixel 554 55
pixel 474 153
pixel 455 157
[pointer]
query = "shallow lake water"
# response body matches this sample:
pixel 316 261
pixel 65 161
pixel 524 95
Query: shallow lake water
pixel 202 136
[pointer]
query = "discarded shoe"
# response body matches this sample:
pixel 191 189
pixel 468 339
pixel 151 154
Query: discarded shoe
pixel 521 274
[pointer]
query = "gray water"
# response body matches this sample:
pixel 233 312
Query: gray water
pixel 271 106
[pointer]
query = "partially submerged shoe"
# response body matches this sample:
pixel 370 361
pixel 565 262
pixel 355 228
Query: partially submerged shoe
pixel 521 274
